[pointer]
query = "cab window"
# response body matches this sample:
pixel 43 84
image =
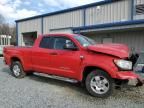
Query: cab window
pixel 60 43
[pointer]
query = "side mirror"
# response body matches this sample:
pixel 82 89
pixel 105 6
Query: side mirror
pixel 70 46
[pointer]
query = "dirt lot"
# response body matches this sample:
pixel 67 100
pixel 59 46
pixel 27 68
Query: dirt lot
pixel 40 92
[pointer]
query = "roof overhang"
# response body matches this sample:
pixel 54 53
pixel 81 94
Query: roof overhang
pixel 125 25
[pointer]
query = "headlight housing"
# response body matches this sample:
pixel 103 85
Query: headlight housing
pixel 123 64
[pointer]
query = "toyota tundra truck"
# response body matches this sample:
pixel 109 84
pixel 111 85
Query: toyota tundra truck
pixel 99 67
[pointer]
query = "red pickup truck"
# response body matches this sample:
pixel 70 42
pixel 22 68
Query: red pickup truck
pixel 98 66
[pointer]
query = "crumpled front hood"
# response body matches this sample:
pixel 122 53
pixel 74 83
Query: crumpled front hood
pixel 118 50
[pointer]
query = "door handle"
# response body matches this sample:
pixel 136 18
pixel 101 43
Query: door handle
pixel 53 53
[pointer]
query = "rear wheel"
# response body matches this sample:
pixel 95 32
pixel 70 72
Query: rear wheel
pixel 139 83
pixel 17 70
pixel 99 84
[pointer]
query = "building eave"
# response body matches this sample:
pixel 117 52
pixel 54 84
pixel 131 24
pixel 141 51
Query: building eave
pixel 108 25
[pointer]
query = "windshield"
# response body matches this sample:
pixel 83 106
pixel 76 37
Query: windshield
pixel 84 41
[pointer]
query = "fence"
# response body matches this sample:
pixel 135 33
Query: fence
pixel 5 40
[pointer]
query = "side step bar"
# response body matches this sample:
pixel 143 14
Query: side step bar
pixel 57 77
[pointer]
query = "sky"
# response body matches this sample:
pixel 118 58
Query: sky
pixel 19 9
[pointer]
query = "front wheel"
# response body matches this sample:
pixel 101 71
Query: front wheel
pixel 99 84
pixel 17 70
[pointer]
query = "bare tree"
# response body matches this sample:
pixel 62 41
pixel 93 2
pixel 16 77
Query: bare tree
pixel 6 29
pixel 13 34
pixel 2 20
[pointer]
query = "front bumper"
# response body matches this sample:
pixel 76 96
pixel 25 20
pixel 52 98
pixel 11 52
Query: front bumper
pixel 130 75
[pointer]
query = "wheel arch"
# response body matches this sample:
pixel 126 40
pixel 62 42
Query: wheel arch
pixel 15 58
pixel 89 69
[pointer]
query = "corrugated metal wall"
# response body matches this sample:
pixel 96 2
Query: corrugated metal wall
pixel 114 12
pixel 108 13
pixel 28 26
pixel 138 2
pixel 64 20
pixel 67 30
pixel 134 39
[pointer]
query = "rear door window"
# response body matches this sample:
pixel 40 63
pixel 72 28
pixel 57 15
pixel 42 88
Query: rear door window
pixel 46 42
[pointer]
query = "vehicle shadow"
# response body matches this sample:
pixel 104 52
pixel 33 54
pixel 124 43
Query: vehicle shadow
pixel 75 86
pixel 51 81
pixel 129 93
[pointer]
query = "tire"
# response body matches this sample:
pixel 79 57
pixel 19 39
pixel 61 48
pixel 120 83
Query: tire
pixel 139 83
pixel 99 84
pixel 17 70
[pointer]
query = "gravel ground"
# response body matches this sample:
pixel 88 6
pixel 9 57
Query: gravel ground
pixel 40 92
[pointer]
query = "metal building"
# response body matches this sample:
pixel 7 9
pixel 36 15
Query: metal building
pixel 116 21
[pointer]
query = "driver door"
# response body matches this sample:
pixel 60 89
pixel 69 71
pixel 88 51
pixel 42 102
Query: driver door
pixel 64 62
